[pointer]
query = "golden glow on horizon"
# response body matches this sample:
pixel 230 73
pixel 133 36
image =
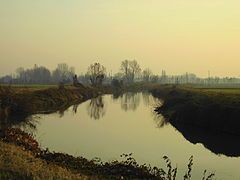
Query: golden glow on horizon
pixel 175 35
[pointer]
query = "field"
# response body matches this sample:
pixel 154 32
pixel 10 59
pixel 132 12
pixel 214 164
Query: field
pixel 216 109
pixel 221 90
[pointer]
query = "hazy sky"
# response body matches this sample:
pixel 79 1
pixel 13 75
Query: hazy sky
pixel 175 35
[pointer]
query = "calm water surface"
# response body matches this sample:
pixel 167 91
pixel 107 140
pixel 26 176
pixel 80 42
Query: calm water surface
pixel 108 126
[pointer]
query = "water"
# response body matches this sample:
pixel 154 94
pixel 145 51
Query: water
pixel 108 126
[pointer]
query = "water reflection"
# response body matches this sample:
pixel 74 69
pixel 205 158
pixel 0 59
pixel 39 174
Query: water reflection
pixel 28 123
pixel 217 142
pixel 160 120
pixel 135 131
pixel 130 101
pixel 75 108
pixel 96 108
pixel 149 100
pixel 61 112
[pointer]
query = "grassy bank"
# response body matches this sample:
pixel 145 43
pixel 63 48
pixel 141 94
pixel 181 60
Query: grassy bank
pixel 213 109
pixel 15 163
pixel 21 157
pixel 20 101
pixel 61 165
pixel 20 147
pixel 23 101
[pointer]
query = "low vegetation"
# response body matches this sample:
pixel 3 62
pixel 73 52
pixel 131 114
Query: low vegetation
pixel 22 158
pixel 16 163
pixel 25 101
pixel 187 105
pixel 218 110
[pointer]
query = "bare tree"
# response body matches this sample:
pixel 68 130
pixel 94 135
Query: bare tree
pixel 147 73
pixel 125 68
pixel 21 75
pixel 135 69
pixel 130 69
pixel 63 73
pixel 37 74
pixel 19 72
pixel 96 73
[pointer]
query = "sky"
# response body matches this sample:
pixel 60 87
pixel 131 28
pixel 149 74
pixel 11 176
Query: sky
pixel 175 35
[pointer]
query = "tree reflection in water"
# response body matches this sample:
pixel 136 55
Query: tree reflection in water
pixel 61 112
pixel 160 120
pixel 130 101
pixel 147 99
pixel 96 108
pixel 27 123
pixel 75 108
pixel 218 142
pixel 150 101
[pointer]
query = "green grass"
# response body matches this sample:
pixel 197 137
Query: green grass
pixel 208 90
pixel 222 90
pixel 135 86
pixel 25 101
pixel 202 107
pixel 30 85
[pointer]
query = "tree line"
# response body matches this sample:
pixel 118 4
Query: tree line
pixel 40 75
pixel 96 74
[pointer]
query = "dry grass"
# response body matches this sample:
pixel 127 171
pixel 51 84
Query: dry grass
pixel 34 100
pixel 18 164
pixel 223 90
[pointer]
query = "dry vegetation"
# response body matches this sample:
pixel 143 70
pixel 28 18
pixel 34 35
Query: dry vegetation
pixel 31 100
pixel 23 164
pixel 18 164
pixel 217 110
pixel 24 159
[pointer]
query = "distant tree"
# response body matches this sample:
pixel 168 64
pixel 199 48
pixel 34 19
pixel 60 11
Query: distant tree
pixel 41 75
pixel 130 69
pixel 20 72
pixel 164 77
pixel 154 78
pixel 71 71
pixel 6 79
pixel 21 75
pixel 38 74
pixel 118 76
pixel 96 73
pixel 147 73
pixel 125 69
pixel 135 69
pixel 63 73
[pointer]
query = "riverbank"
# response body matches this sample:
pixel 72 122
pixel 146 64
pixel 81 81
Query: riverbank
pixel 19 102
pixel 214 110
pixel 21 157
pixel 16 163
pixel 127 168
